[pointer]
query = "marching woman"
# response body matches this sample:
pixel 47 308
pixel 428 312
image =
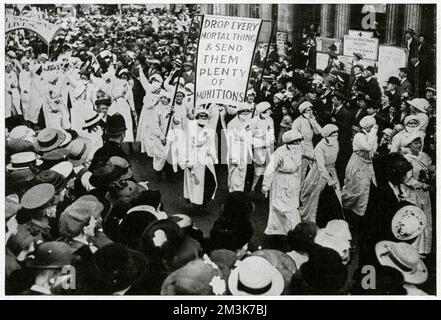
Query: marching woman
pixel 82 98
pixel 282 182
pixel 200 181
pixel 239 147
pixel 416 187
pixel 320 195
pixel 123 103
pixel 91 131
pixel 55 112
pixel 146 119
pixel 262 128
pixel 167 132
pixel 25 82
pixel 307 126
pixel 12 95
pixel 360 170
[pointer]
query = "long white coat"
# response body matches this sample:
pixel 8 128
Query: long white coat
pixel 282 177
pixel 239 155
pixel 12 94
pixel 200 153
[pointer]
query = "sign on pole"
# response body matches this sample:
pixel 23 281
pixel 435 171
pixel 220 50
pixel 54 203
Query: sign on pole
pixel 225 53
pixel 282 37
pixel 390 60
pixel 361 43
pixel 45 30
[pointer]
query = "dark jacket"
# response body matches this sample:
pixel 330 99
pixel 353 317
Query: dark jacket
pixel 108 150
pixel 373 90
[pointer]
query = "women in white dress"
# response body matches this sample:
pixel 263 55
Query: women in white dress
pixel 146 118
pixel 322 172
pixel 360 170
pixel 262 130
pixel 12 95
pixel 201 155
pixel 25 82
pixel 416 188
pixel 123 102
pixel 307 126
pixel 412 125
pixel 282 182
pixel 82 97
pixel 239 148
pixel 55 111
pixel 166 143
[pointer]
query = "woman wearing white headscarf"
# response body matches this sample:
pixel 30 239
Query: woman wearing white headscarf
pixel 416 187
pixel 282 182
pixel 307 126
pixel 412 125
pixel 360 170
pixel 262 130
pixel 322 173
pixel 146 119
pixel 200 181
pixel 123 103
pixel 12 95
pixel 56 114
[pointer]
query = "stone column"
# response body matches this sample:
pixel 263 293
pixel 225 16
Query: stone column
pixel 342 17
pixel 391 32
pixel 326 20
pixel 206 8
pixel 412 17
pixel 244 10
pixel 265 14
pixel 285 21
pixel 220 9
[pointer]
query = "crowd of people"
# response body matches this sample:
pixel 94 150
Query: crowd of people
pixel 347 165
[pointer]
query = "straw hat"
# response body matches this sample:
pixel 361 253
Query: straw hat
pixel 408 223
pixel 404 258
pixel 49 139
pixel 255 276
pixel 23 160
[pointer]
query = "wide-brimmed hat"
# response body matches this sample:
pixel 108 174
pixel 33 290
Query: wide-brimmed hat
pixel 78 215
pixel 77 152
pixel 115 267
pixel 339 244
pixel 403 257
pixel 123 165
pixel 21 132
pixel 103 174
pixel 198 277
pixel 64 168
pixel 52 255
pixel 133 225
pixel 23 160
pixel 115 124
pixel 324 272
pixel 54 157
pixel 51 177
pixel 37 196
pixel 408 223
pixel 255 276
pixel 49 139
pixel 19 145
pixel 91 119
pixel 283 262
pixel 420 104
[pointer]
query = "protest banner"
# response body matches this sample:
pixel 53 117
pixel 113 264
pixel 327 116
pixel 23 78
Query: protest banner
pixel 45 30
pixel 225 53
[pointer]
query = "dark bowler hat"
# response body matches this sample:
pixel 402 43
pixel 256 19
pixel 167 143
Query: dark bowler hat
pixel 394 80
pixel 410 31
pixel 106 102
pixel 54 157
pixel 52 255
pixel 333 47
pixel 404 69
pixel 104 174
pixel 371 69
pixel 115 125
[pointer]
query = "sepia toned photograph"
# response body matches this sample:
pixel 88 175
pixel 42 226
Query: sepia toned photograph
pixel 260 149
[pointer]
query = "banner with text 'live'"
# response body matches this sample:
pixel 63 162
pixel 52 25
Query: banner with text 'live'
pixel 225 53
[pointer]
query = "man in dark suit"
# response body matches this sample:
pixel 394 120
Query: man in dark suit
pixel 392 91
pixel 405 84
pixel 188 74
pixel 273 56
pixel 341 117
pixel 359 111
pixel 358 83
pixel 411 44
pixel 425 63
pixel 373 90
pixel 115 131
